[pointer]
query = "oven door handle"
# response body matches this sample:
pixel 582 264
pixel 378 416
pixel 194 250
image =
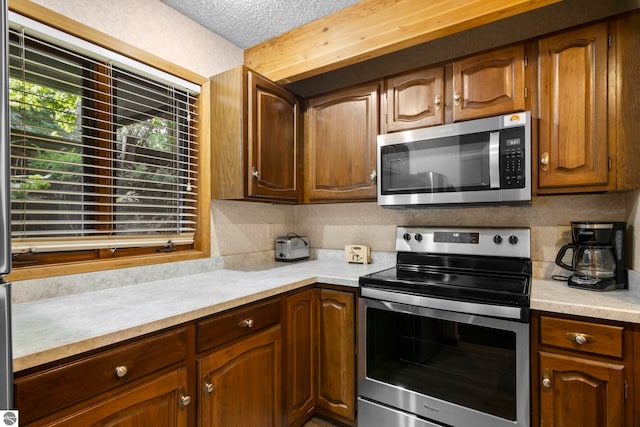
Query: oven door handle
pixel 390 299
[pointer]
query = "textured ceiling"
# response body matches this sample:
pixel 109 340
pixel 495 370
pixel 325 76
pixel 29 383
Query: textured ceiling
pixel 246 23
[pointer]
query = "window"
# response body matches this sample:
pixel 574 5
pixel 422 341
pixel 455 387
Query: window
pixel 103 151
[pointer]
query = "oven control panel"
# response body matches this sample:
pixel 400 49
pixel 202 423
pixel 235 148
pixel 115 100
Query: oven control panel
pixel 508 242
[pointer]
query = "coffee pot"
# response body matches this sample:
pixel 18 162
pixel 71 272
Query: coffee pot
pixel 597 260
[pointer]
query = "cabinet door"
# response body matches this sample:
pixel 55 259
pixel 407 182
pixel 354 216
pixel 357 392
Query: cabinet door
pixel 160 402
pixel 573 146
pixel 489 84
pixel 241 383
pixel 56 389
pixel 299 356
pixel 413 100
pixel 340 145
pixel 273 136
pixel 581 392
pixel 336 346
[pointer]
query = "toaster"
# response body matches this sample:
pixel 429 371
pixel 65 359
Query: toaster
pixel 292 248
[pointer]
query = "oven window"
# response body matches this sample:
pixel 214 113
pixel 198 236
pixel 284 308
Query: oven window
pixel 448 164
pixel 469 365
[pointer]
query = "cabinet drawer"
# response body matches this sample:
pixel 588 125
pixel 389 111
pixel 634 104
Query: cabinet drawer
pixel 225 327
pixel 605 340
pixel 48 391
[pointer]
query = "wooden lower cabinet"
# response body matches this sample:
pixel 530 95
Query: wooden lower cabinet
pixel 299 357
pixel 581 392
pixel 247 367
pixel 582 372
pixel 131 384
pixel 160 402
pixel 336 354
pixel 240 384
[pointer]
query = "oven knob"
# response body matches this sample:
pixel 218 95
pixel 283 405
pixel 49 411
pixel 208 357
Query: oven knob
pixel 418 237
pixel 513 239
pixel 497 239
pixel 406 237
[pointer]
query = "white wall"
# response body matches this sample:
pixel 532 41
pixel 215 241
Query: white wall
pixel 156 28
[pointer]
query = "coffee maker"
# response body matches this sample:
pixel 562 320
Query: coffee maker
pixel 597 262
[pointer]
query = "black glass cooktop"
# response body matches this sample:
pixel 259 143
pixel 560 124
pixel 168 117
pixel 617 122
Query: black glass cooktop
pixel 495 280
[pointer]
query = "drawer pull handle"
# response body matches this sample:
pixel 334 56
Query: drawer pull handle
pixel 246 323
pixel 184 399
pixel 579 338
pixel 121 371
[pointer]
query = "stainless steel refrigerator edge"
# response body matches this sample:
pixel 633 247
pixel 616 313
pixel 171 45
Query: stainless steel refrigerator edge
pixel 6 355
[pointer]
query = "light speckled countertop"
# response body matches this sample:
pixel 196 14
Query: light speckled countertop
pixel 622 304
pixel 55 328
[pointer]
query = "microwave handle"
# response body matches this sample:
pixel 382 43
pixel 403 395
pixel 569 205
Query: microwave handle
pixel 494 159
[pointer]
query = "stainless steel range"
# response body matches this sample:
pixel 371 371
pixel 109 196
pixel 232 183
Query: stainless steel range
pixel 444 335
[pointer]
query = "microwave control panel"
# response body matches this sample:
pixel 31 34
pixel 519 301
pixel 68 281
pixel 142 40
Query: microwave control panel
pixel 512 158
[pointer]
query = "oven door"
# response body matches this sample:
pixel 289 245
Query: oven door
pixel 442 366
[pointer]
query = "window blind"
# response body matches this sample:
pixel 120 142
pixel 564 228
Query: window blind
pixel 103 149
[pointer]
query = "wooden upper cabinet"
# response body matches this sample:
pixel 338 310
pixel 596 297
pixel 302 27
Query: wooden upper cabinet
pixel 573 145
pixel 413 100
pixel 489 84
pixel 340 145
pixel 255 145
pixel 479 86
pixel 273 140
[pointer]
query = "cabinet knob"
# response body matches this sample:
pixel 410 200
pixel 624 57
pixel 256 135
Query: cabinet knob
pixel 546 383
pixel 373 176
pixel 579 338
pixel 246 323
pixel 183 399
pixel 255 172
pixel 121 371
pixel 544 160
pixel 207 386
pixel 456 98
pixel 437 102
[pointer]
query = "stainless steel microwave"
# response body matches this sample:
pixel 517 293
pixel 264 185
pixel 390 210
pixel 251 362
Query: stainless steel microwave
pixel 474 162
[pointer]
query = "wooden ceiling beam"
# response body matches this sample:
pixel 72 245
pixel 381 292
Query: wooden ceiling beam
pixel 373 28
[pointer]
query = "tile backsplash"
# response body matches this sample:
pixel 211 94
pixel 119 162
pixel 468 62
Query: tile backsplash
pixel 243 233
